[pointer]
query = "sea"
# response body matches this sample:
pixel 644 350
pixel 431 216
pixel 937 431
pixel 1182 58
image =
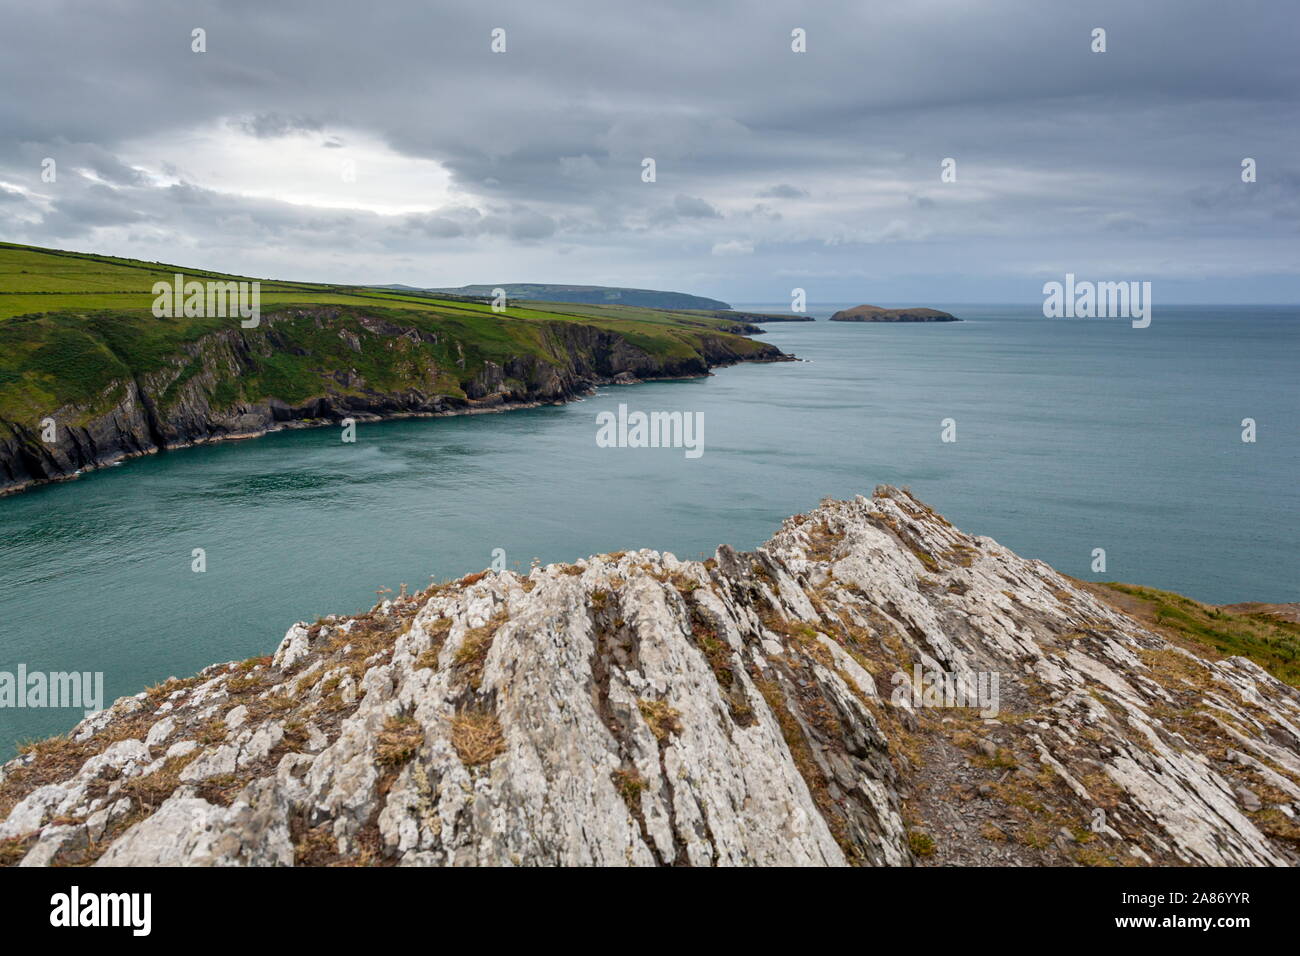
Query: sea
pixel 1062 439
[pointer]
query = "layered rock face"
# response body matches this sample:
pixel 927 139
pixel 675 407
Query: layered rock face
pixel 771 707
pixel 179 404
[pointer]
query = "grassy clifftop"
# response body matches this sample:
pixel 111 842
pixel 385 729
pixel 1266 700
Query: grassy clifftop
pixel 1267 634
pixel 79 344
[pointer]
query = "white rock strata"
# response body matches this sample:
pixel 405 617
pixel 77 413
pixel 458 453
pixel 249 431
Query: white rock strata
pixel 636 709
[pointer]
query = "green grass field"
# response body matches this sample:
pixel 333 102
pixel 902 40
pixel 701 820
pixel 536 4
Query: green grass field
pixel 34 280
pixel 74 327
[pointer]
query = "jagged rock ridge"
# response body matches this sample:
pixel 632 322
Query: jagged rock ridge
pixel 637 709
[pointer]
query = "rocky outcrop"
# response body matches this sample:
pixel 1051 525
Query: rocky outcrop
pixel 759 318
pixel 874 313
pixel 797 704
pixel 197 395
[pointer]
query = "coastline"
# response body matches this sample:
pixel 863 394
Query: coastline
pixel 473 407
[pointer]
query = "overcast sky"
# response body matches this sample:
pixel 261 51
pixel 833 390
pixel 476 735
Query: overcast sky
pixel 775 169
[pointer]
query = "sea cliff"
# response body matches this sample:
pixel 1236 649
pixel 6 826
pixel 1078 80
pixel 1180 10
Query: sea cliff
pixel 310 366
pixel 871 686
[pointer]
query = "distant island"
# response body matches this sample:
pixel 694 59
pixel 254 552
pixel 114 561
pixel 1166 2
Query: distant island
pixel 584 294
pixel 874 313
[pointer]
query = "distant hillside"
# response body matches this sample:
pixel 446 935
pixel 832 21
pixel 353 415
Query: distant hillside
pixel 588 294
pixel 758 318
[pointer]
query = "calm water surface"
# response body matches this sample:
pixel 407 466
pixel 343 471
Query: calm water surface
pixel 1072 435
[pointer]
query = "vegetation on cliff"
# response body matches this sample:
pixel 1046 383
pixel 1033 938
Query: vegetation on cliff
pixel 80 345
pixel 1268 634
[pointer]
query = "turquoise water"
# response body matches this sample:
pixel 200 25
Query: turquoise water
pixel 1071 435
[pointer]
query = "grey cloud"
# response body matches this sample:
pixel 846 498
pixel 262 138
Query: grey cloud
pixel 68 218
pixel 1123 222
pixel 439 227
pixel 783 191
pixel 1060 151
pixel 692 207
pixel 520 224
pixel 531 225
pixel 189 194
pixel 108 168
pixel 272 125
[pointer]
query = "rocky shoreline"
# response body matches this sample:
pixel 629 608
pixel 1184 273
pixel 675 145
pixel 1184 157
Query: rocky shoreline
pixel 785 706
pixel 138 424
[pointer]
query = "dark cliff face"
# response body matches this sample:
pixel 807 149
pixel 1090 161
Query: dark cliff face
pixel 241 382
